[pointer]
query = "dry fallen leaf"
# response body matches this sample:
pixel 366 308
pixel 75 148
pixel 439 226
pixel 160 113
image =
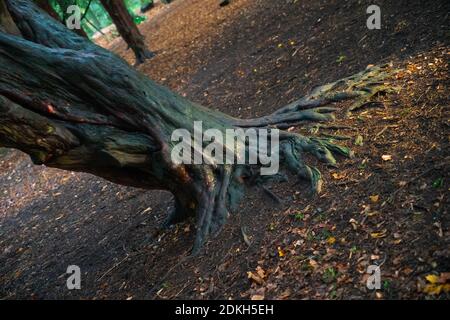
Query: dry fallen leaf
pixel 354 223
pixel 256 278
pixel 445 276
pixel 386 157
pixel 377 235
pixel 284 295
pixel 402 183
pixel 260 271
pixel 331 240
pixel 374 198
pixel 313 263
pixel 337 176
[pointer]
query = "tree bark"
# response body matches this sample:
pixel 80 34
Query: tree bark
pixel 127 29
pixel 73 105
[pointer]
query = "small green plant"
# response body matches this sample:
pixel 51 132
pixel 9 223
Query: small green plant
pixel 299 216
pixel 386 285
pixel 329 275
pixel 438 183
pixel 341 58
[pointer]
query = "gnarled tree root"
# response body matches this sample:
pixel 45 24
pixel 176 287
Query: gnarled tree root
pixel 226 187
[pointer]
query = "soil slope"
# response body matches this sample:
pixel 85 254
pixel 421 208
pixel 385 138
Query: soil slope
pixel 387 206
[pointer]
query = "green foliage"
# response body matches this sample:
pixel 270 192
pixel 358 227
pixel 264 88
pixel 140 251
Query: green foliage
pixel 138 19
pixel 299 216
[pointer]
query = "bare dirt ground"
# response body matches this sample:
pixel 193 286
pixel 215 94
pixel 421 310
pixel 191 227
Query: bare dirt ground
pixel 387 206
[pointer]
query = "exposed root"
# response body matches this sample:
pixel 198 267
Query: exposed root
pixel 226 182
pixel 362 87
pixel 294 146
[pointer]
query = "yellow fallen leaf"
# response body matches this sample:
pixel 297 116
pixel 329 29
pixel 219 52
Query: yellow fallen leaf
pixel 280 252
pixel 436 289
pixel 374 198
pixel 431 278
pixel 331 240
pixel 337 176
pixel 376 235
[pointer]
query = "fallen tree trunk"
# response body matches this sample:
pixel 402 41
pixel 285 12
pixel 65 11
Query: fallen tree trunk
pixel 72 105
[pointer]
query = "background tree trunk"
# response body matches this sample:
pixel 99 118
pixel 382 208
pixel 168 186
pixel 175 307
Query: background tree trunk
pixel 76 106
pixel 127 29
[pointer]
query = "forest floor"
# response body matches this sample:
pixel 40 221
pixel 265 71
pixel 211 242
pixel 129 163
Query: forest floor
pixel 387 206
